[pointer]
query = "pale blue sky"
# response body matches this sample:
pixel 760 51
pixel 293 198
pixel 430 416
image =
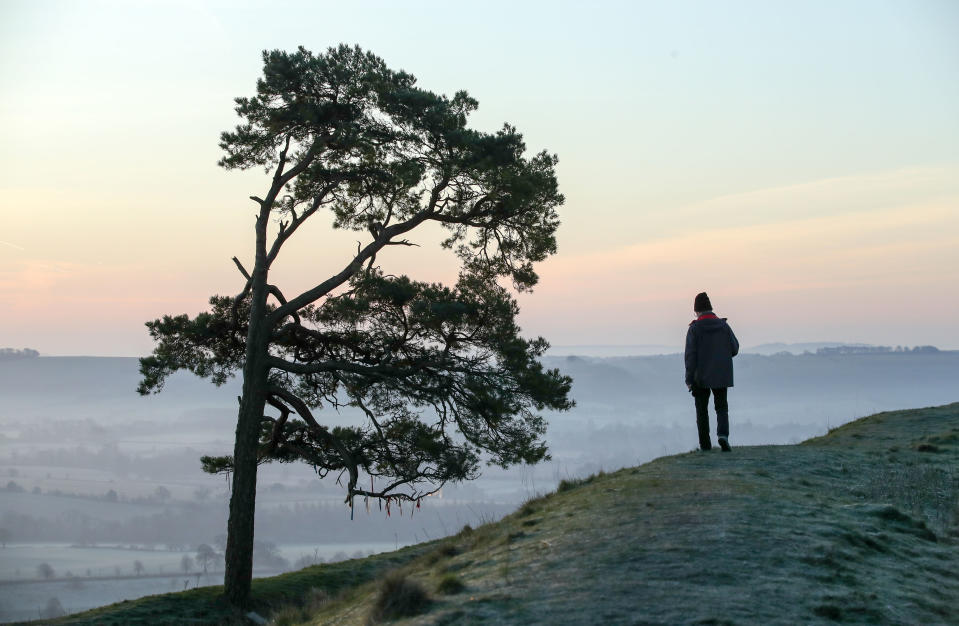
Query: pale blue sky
pixel 674 122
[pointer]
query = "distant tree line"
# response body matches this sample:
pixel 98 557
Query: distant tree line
pixel 109 457
pixel 9 354
pixel 876 350
pixel 184 523
pixel 161 495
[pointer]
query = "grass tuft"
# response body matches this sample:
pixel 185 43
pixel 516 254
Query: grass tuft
pixel 441 553
pixel 312 602
pixel 450 584
pixel 289 616
pixel 399 596
pixel 568 484
pixel 529 507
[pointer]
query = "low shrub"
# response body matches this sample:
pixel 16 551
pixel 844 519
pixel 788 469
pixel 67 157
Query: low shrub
pixel 399 596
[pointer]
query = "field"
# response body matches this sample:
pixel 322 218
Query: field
pixel 92 576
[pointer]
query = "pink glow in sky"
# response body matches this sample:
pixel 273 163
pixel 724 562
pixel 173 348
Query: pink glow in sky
pixel 800 164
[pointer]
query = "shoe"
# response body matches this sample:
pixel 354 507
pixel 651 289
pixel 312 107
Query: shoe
pixel 705 448
pixel 724 444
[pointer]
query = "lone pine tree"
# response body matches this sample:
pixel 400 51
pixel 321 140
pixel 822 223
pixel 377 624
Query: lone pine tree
pixel 440 372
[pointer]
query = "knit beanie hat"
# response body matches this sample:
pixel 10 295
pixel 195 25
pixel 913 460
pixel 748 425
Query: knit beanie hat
pixel 702 303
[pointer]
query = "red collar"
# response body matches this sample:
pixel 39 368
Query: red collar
pixel 704 316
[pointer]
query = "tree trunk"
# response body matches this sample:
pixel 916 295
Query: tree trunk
pixel 239 543
pixel 238 571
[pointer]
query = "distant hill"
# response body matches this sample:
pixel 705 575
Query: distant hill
pixel 770 389
pixel 101 388
pixel 859 525
pixel 830 347
pixel 613 350
pixel 799 348
pixel 773 389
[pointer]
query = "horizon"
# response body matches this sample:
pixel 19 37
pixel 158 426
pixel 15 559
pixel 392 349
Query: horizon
pixel 612 350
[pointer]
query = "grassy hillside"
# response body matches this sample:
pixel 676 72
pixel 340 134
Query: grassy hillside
pixel 861 525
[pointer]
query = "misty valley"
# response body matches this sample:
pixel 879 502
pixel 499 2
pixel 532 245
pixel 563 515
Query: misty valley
pixel 102 497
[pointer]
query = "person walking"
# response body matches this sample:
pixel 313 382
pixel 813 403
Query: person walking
pixel 710 348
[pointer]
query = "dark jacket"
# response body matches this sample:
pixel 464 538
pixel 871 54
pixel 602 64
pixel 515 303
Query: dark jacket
pixel 710 348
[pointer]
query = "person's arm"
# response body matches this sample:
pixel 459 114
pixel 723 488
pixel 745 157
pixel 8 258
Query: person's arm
pixel 733 342
pixel 690 358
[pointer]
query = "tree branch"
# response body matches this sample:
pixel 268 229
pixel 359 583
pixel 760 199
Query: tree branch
pixel 386 235
pixel 278 424
pixel 295 223
pixel 282 159
pixel 280 180
pixel 337 366
pixel 386 495
pixel 242 269
pixel 379 431
pixel 304 412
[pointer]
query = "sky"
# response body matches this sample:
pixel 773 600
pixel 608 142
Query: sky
pixel 797 161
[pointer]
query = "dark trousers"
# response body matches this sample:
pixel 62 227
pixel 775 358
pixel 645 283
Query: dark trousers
pixel 701 394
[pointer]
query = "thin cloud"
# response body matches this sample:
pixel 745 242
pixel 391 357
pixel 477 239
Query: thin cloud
pixel 825 198
pixel 12 245
pixel 897 229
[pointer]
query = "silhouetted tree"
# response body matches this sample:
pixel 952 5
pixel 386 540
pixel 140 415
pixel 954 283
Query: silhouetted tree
pixel 53 609
pixel 5 535
pixel 440 372
pixel 186 563
pixel 162 494
pixel 205 555
pixel 45 571
pixel 138 567
pixel 267 554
